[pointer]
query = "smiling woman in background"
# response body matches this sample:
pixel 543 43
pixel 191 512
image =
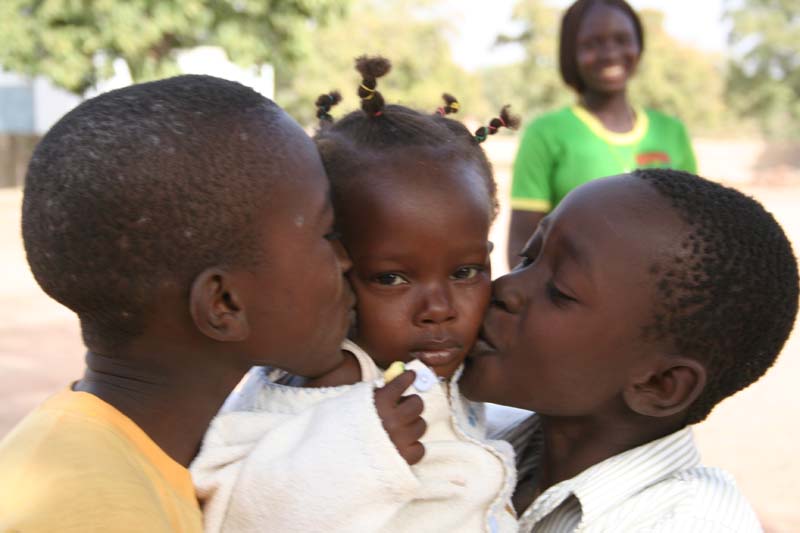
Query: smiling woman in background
pixel 603 134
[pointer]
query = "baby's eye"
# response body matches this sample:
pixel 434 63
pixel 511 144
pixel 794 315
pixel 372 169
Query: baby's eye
pixel 466 272
pixel 390 278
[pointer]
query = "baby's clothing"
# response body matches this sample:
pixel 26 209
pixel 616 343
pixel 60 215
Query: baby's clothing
pixel 318 459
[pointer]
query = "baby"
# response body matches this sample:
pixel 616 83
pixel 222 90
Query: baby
pixel 415 197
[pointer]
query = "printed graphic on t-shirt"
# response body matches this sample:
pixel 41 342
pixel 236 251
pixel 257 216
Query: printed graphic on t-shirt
pixel 652 159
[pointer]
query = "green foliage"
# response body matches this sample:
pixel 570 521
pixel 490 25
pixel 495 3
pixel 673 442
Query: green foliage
pixel 312 44
pixel 764 72
pixel 534 85
pixel 74 42
pixel 408 33
pixel 680 80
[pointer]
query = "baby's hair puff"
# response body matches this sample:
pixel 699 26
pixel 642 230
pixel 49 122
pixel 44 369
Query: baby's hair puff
pixel 505 120
pixel 371 68
pixel 451 105
pixel 324 104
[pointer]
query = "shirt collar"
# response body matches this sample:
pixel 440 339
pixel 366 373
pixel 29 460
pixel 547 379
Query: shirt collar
pixel 609 483
pixel 636 134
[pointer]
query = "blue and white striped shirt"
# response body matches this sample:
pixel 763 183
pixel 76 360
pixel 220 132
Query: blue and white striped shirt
pixel 657 487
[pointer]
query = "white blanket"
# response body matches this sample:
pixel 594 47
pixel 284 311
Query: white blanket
pixel 318 459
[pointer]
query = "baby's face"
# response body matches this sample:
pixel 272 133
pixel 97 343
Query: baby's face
pixel 564 333
pixel 417 234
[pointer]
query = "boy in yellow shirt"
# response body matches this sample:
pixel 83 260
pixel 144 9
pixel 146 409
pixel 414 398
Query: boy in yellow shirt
pixel 187 222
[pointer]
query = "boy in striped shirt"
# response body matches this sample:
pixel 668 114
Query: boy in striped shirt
pixel 641 302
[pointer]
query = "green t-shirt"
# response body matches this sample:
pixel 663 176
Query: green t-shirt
pixel 569 147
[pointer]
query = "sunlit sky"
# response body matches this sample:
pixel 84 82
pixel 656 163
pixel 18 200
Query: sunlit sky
pixel 478 22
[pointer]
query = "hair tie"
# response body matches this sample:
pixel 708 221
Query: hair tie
pixel 450 105
pixel 370 91
pixel 371 68
pixel 324 103
pixel 504 120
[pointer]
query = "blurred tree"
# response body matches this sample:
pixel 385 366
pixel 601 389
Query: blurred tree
pixel 764 72
pixel 534 85
pixel 680 80
pixel 74 42
pixel 411 33
pixel 672 77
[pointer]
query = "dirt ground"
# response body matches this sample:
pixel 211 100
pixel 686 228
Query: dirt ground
pixel 751 434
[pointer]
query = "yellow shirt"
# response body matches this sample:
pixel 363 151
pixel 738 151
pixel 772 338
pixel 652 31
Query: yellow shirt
pixel 78 464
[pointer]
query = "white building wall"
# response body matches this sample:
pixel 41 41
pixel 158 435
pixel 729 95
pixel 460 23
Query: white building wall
pixel 33 106
pixel 50 103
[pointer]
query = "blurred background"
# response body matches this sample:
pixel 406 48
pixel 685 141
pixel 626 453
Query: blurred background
pixel 729 69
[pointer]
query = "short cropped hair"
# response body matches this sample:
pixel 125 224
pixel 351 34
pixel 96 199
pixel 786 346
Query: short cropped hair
pixel 729 298
pixel 568 40
pixel 145 187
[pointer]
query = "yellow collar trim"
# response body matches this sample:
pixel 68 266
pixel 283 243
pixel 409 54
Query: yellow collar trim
pixel 612 137
pixel 530 204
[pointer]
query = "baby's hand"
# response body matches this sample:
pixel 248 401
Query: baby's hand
pixel 401 416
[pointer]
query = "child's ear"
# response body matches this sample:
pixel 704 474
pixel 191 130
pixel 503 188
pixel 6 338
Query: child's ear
pixel 666 388
pixel 216 306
